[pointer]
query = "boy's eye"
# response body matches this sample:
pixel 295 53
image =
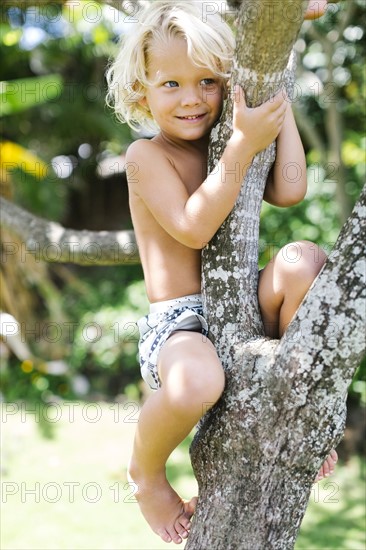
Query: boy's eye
pixel 171 84
pixel 208 81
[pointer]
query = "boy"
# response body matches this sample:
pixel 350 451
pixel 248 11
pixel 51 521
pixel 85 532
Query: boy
pixel 172 72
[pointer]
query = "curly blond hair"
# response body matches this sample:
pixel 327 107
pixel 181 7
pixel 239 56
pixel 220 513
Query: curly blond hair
pixel 210 44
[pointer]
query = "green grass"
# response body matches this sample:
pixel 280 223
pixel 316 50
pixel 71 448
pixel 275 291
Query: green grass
pixel 99 512
pixel 336 515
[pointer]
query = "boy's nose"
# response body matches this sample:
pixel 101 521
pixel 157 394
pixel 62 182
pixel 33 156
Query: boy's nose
pixel 191 97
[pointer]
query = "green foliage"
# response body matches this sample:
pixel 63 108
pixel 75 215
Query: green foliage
pixel 53 93
pixel 314 219
pixel 72 131
pixel 27 381
pixel 329 75
pixel 105 343
pixel 54 58
pixel 23 93
pixel 358 386
pixel 98 338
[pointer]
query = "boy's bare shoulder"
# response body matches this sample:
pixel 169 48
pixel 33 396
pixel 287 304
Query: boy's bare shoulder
pixel 143 149
pixel 148 166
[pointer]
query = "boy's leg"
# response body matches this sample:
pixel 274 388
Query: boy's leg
pixel 283 284
pixel 192 381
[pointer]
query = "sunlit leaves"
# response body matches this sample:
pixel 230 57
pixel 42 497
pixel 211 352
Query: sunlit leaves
pixel 14 156
pixel 22 94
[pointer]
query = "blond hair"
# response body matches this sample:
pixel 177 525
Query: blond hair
pixel 210 44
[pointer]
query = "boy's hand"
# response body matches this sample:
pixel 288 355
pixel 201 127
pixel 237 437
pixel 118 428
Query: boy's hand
pixel 258 127
pixel 315 9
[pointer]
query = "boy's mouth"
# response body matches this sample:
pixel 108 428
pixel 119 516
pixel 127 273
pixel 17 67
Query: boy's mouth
pixel 191 117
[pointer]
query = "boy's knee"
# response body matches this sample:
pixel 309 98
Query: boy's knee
pixel 197 389
pixel 303 260
pixel 208 389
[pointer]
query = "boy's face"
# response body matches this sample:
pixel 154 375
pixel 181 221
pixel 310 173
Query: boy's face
pixel 184 100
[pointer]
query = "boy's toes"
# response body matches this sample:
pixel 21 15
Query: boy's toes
pixel 184 522
pixel 174 536
pixel 164 535
pixel 332 460
pixel 327 467
pixel 190 507
pixel 180 529
pixel 334 456
pixel 330 465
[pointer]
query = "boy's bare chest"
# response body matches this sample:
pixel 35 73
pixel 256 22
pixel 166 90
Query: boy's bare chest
pixel 192 171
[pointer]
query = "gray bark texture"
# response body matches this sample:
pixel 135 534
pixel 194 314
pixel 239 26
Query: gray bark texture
pixel 51 242
pixel 257 451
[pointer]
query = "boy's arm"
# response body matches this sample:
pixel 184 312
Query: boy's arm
pixel 287 183
pixel 194 219
pixel 190 219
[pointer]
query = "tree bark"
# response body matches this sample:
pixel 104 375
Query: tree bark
pixel 257 451
pixel 50 242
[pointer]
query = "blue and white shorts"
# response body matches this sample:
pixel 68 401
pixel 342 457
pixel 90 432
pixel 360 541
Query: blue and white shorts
pixel 184 313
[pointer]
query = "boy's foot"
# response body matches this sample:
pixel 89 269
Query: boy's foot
pixel 166 513
pixel 328 467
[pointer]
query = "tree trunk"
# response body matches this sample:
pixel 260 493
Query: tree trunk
pixel 256 453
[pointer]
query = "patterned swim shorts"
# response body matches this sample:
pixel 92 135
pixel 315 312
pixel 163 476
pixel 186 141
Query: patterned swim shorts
pixel 166 317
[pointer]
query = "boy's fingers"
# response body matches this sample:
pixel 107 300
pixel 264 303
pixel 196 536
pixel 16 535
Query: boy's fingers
pixel 279 99
pixel 273 106
pixel 281 110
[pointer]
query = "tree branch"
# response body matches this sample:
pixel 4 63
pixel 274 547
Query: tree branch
pixel 330 324
pixel 51 242
pixel 310 133
pixel 316 358
pixel 347 17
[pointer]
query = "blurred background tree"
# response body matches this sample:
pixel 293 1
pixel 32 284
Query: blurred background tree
pixel 62 157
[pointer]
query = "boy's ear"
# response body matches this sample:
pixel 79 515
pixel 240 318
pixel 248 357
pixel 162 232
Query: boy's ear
pixel 143 102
